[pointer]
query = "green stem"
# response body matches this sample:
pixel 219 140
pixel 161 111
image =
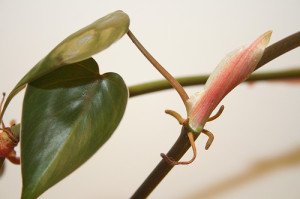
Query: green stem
pixel 159 85
pixel 182 144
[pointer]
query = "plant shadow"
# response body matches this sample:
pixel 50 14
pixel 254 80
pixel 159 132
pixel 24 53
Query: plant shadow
pixel 260 168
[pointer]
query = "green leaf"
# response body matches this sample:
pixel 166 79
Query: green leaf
pixel 77 47
pixel 15 129
pixel 66 118
pixel 91 39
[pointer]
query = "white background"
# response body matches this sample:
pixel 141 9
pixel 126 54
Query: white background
pixel 260 123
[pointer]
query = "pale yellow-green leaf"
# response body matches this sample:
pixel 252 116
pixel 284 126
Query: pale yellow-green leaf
pixel 77 47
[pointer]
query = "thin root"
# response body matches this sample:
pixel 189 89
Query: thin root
pixel 177 116
pixel 172 162
pixel 210 138
pixel 221 109
pixel 3 125
pixel 1 103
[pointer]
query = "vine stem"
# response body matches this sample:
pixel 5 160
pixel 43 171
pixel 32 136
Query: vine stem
pixel 175 84
pixel 182 144
pixel 159 85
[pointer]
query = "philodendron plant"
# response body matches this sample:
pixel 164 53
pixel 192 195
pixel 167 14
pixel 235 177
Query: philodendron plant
pixel 75 108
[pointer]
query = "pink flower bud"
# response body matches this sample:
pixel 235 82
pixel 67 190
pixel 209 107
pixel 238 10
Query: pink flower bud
pixel 233 69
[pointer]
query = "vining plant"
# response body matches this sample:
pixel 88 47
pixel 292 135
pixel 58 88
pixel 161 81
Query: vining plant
pixel 70 109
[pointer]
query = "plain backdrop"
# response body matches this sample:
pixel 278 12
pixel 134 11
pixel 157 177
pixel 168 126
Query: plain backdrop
pixel 257 140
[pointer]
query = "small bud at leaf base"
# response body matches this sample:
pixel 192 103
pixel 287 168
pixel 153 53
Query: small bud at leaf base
pixel 91 39
pixel 7 144
pixel 231 71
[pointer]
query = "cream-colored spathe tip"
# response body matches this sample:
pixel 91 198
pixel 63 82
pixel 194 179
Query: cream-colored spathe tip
pixel 266 38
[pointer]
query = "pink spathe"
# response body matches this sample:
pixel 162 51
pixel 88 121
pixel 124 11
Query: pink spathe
pixel 231 71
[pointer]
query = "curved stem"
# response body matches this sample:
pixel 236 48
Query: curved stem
pixel 160 68
pixel 182 144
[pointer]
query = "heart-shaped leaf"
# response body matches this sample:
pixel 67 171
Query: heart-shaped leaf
pixel 67 116
pixel 77 47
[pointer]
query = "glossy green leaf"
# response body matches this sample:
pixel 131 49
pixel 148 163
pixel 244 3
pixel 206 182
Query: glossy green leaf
pixel 77 47
pixel 66 118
